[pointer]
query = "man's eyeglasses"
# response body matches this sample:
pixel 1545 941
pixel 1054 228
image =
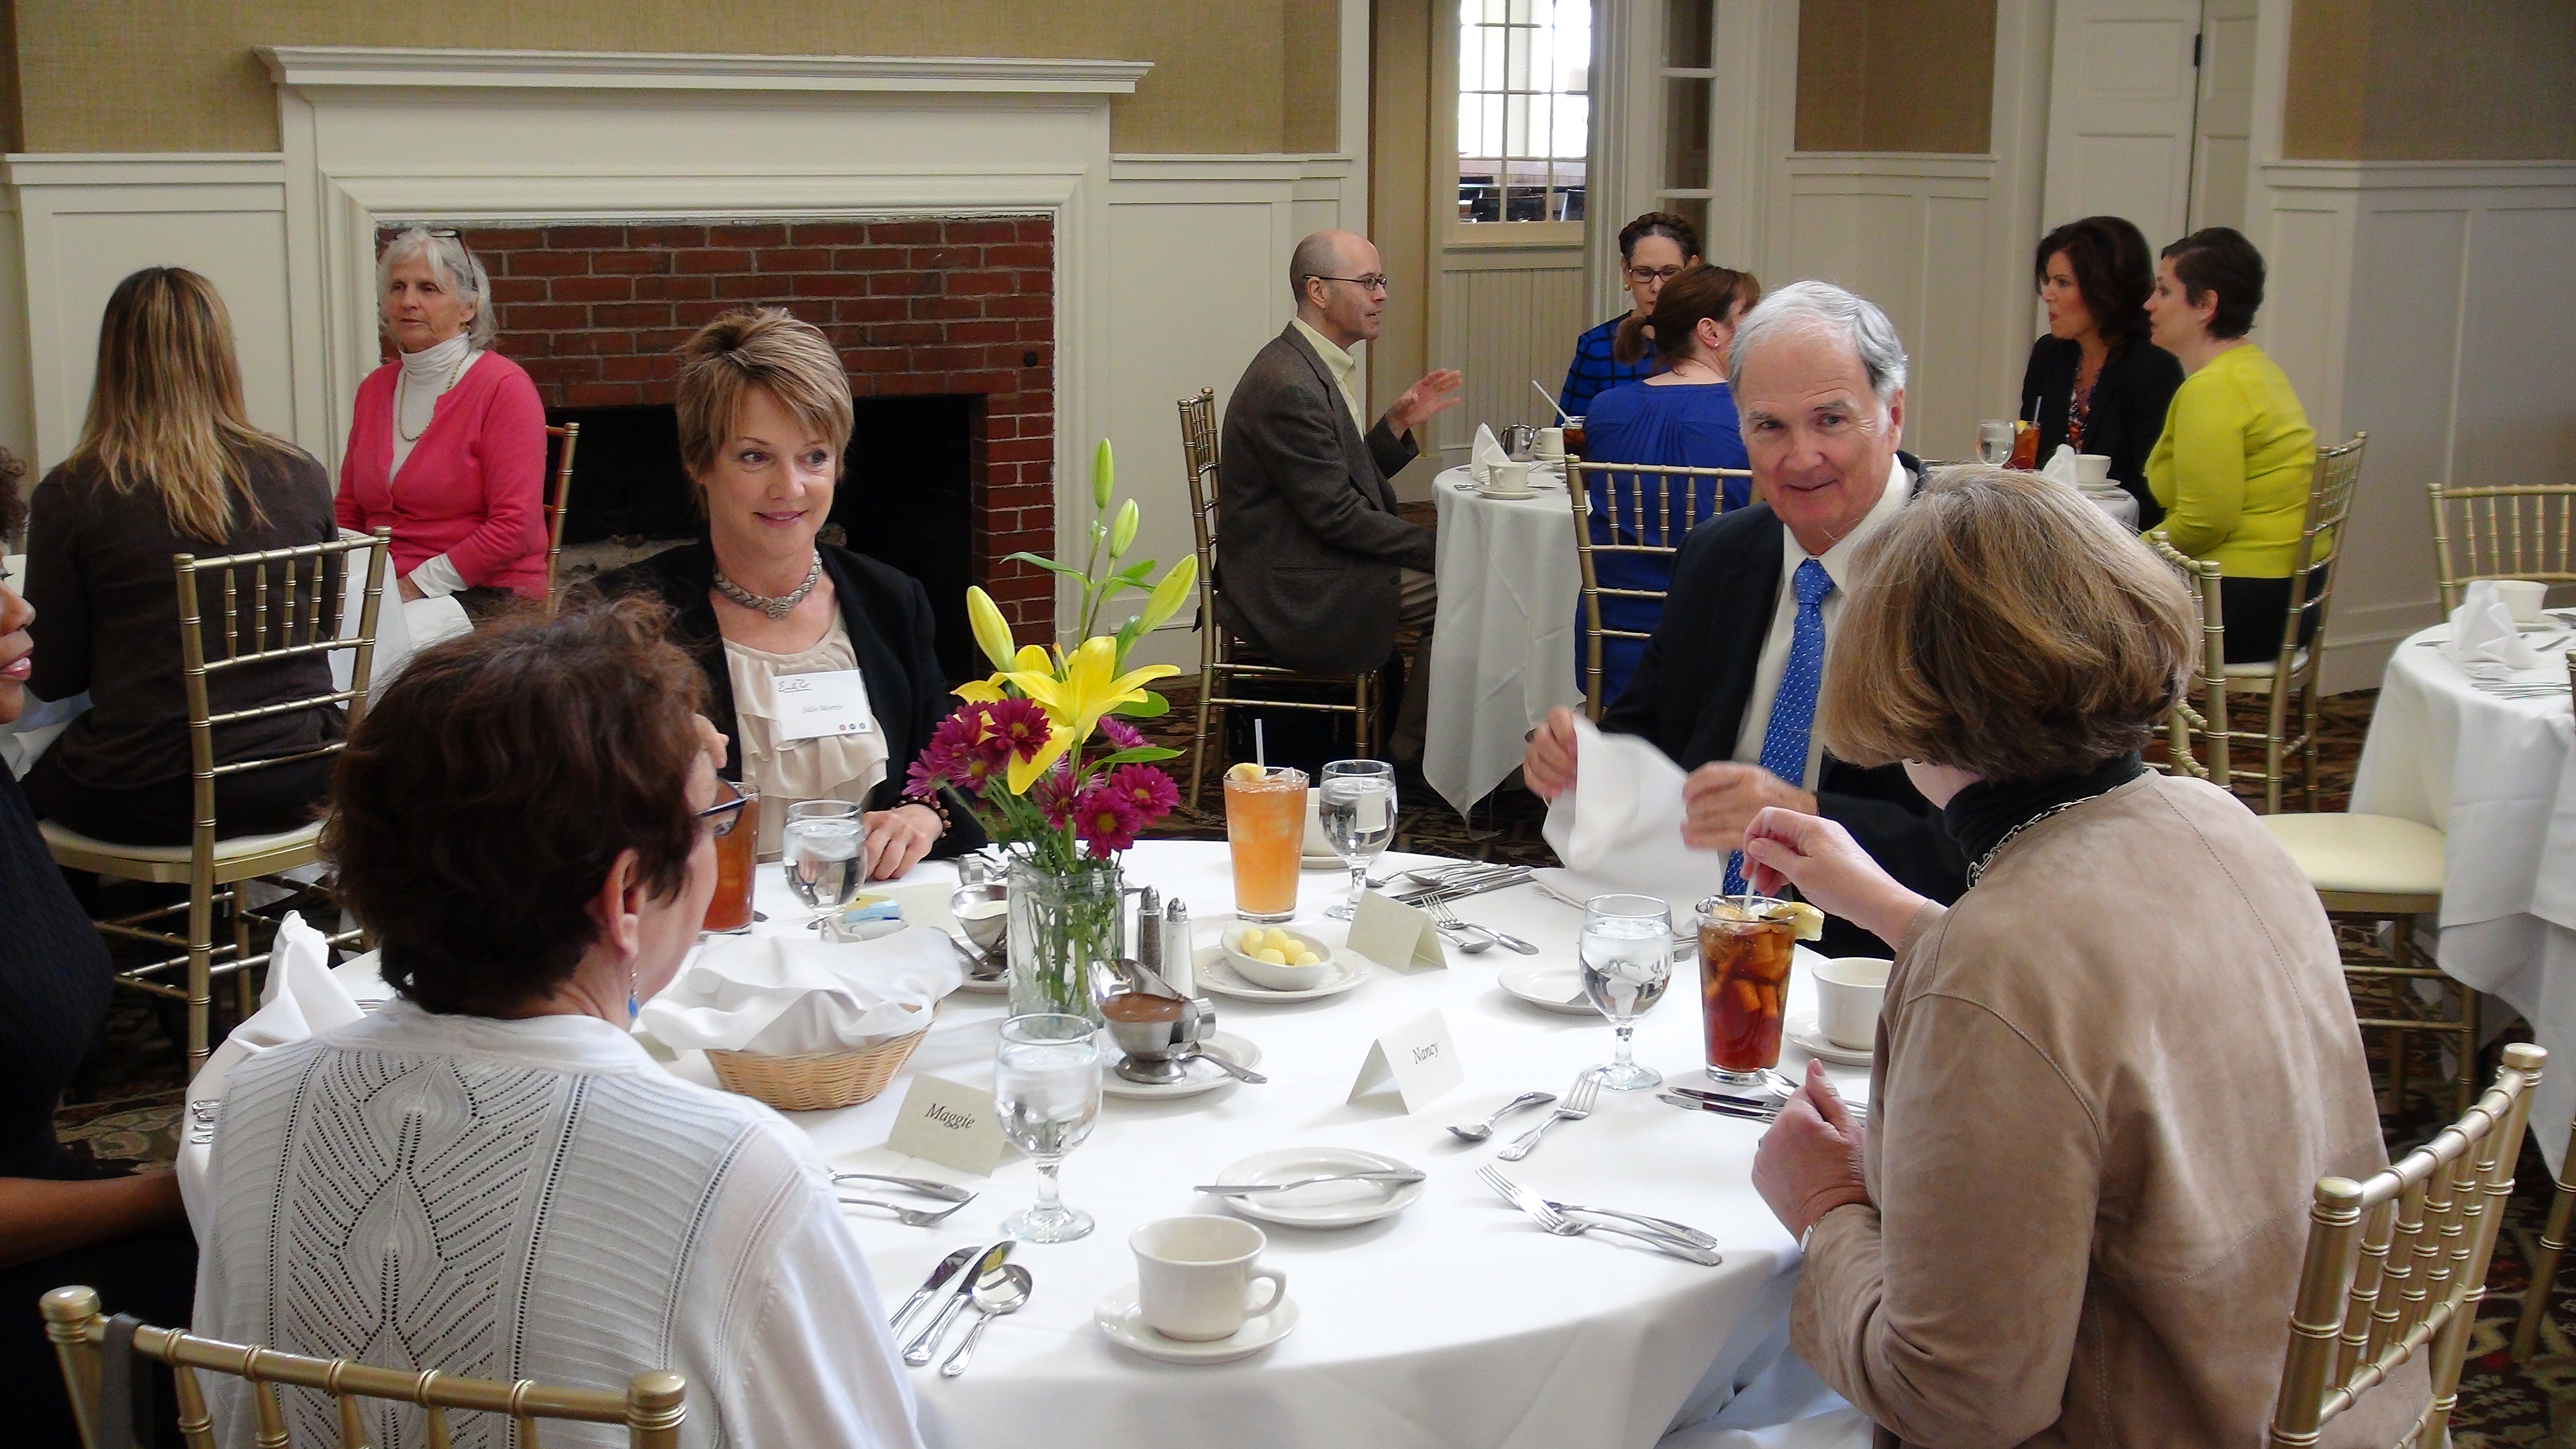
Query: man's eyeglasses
pixel 1372 283
pixel 725 814
pixel 1654 274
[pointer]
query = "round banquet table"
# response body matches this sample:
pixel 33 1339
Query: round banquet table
pixel 1456 1322
pixel 2494 775
pixel 1503 642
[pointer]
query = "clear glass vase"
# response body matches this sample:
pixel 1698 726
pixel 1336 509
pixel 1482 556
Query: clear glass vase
pixel 1065 933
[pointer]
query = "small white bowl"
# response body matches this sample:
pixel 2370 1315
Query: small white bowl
pixel 1281 978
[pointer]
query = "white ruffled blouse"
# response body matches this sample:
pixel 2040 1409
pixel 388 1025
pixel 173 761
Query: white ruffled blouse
pixel 831 767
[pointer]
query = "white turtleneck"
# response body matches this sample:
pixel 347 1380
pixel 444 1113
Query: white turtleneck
pixel 426 377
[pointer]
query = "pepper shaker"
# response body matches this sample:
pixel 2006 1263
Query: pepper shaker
pixel 1149 930
pixel 1179 966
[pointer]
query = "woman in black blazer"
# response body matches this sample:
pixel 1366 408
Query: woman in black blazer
pixel 764 414
pixel 2095 380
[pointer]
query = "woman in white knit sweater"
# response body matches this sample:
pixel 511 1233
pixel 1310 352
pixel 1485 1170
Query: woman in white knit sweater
pixel 489 1177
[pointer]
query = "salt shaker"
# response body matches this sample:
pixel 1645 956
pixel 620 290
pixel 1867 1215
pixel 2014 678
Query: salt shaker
pixel 1179 967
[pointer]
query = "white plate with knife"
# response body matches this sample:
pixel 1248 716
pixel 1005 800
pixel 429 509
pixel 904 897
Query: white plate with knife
pixel 1341 1204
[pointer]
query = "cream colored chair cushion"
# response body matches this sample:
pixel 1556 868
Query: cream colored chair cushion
pixel 2262 668
pixel 239 858
pixel 2363 854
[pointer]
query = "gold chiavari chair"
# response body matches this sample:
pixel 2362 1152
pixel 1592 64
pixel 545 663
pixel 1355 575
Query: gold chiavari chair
pixel 651 1408
pixel 2292 675
pixel 569 434
pixel 1648 515
pixel 2553 1240
pixel 1218 663
pixel 2516 531
pixel 2196 736
pixel 2397 1265
pixel 276 607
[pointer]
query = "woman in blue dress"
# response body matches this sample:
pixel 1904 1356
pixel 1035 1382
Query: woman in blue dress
pixel 1682 415
pixel 1653 249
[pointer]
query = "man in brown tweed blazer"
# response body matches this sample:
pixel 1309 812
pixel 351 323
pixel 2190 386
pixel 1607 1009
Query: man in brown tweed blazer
pixel 1316 569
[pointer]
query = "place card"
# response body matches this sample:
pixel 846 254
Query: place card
pixel 1396 935
pixel 952 1125
pixel 1418 1057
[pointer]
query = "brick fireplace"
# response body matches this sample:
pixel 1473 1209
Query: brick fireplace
pixel 955 313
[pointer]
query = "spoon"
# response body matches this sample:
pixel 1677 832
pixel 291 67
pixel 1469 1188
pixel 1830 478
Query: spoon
pixel 1458 937
pixel 1485 1129
pixel 1241 1074
pixel 992 1298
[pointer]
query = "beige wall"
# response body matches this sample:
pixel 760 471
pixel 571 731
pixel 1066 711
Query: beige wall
pixel 179 75
pixel 1896 75
pixel 2431 80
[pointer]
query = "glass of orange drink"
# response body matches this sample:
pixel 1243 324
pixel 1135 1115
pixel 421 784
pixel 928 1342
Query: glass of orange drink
pixel 1265 828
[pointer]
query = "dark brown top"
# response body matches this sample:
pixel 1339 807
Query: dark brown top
pixel 107 621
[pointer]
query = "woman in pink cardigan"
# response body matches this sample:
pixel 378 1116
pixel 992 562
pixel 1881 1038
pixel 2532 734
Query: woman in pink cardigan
pixel 448 446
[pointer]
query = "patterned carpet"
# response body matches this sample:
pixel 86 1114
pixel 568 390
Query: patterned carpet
pixel 123 1112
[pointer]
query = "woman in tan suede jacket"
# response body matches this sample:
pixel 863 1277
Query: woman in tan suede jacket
pixel 2108 1077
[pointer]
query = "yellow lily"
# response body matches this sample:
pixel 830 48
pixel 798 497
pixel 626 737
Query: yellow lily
pixel 992 633
pixel 1091 685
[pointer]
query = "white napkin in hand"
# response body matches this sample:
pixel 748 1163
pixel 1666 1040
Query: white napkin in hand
pixel 1623 821
pixel 302 999
pixel 1487 451
pixel 434 619
pixel 2483 633
pixel 783 997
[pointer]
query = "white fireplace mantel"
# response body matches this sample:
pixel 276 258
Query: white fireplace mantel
pixel 313 67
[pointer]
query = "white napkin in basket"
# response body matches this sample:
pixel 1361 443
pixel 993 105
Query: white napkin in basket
pixel 783 997
pixel 2483 633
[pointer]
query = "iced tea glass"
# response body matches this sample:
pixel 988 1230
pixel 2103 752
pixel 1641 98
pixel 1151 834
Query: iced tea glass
pixel 1745 945
pixel 737 857
pixel 1265 831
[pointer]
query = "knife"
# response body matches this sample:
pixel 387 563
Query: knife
pixel 925 1344
pixel 929 1285
pixel 1723 1109
pixel 1240 1189
pixel 945 1192
pixel 1503 880
pixel 1858 1110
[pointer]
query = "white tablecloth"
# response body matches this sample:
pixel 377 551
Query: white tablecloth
pixel 2494 775
pixel 1503 645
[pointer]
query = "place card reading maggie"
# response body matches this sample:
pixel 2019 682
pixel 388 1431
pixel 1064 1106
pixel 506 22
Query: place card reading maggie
pixel 949 1124
pixel 811 706
pixel 1418 1057
pixel 1396 935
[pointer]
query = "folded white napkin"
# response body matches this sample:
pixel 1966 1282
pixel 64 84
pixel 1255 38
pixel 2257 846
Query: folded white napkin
pixel 2483 632
pixel 302 999
pixel 1486 452
pixel 2061 467
pixel 430 620
pixel 782 997
pixel 1623 821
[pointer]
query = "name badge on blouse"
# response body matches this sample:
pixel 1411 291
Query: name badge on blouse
pixel 813 706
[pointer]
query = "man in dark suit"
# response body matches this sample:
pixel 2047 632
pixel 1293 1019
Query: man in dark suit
pixel 1727 686
pixel 1315 569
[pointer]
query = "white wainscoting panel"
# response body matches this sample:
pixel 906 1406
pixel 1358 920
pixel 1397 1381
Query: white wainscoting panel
pixel 17 398
pixel 1505 317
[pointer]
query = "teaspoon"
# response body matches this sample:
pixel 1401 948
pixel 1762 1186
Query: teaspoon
pixel 992 1298
pixel 1485 1129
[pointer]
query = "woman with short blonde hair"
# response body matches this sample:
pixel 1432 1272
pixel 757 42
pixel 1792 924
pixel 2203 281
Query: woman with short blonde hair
pixel 764 416
pixel 2107 1078
pixel 169 462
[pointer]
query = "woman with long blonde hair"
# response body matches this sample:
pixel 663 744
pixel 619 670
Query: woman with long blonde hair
pixel 169 462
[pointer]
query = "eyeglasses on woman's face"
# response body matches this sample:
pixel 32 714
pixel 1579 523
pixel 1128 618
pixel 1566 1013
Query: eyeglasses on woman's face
pixel 723 815
pixel 1653 276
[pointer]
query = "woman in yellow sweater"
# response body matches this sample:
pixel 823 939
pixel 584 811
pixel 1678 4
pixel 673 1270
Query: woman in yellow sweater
pixel 2233 466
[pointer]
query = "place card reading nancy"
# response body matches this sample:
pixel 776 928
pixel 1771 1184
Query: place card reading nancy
pixel 1418 1057
pixel 951 1125
pixel 811 706
pixel 1396 935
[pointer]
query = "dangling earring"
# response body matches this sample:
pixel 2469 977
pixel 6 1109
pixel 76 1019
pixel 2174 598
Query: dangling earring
pixel 631 1007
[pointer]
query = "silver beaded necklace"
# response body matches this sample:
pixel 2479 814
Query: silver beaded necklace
pixel 1977 867
pixel 775 608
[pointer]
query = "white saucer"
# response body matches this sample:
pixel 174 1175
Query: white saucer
pixel 1546 985
pixel 1326 1204
pixel 998 986
pixel 1217 977
pixel 1199 1076
pixel 1508 496
pixel 1121 1315
pixel 1802 1031
pixel 1323 862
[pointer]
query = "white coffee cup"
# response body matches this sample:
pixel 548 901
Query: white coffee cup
pixel 1550 444
pixel 2093 469
pixel 2523 599
pixel 1509 480
pixel 1193 1275
pixel 1849 992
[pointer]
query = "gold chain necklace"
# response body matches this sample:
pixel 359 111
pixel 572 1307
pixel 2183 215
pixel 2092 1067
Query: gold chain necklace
pixel 405 376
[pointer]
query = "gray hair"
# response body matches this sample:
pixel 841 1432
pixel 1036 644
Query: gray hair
pixel 455 266
pixel 1823 307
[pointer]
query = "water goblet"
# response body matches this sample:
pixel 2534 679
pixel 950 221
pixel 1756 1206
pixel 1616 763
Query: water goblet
pixel 821 848
pixel 1994 442
pixel 1357 814
pixel 1627 954
pixel 1046 1089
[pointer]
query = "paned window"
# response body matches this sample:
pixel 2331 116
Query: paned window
pixel 1524 109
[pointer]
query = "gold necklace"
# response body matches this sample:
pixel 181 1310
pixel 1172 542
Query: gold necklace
pixel 405 376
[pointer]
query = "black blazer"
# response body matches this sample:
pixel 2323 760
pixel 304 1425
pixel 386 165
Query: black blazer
pixel 1695 682
pixel 888 615
pixel 2130 397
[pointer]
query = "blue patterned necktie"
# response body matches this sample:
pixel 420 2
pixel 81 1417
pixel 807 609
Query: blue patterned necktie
pixel 1793 709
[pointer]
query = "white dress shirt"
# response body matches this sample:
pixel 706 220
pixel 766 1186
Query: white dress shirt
pixel 426 377
pixel 1784 620
pixel 1342 365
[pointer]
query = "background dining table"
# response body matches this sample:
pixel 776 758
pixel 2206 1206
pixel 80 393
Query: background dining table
pixel 1503 642
pixel 2494 774
pixel 1455 1322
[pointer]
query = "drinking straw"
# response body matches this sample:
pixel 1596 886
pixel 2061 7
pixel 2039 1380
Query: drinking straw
pixel 1260 750
pixel 1561 414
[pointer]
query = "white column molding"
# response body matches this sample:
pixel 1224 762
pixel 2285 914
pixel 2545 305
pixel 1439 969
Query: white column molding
pixel 313 68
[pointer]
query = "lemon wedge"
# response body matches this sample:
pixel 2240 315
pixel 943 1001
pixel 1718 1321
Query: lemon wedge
pixel 1245 771
pixel 1809 921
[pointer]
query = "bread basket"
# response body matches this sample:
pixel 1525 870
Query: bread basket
pixel 814 1081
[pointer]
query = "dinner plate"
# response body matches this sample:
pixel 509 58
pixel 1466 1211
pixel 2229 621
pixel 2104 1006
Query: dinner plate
pixel 1198 1076
pixel 1810 1039
pixel 998 986
pixel 1547 985
pixel 1326 1204
pixel 1217 976
pixel 1121 1315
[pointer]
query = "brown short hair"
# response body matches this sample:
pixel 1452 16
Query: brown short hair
pixel 2002 624
pixel 2219 259
pixel 1667 224
pixel 766 348
pixel 487 791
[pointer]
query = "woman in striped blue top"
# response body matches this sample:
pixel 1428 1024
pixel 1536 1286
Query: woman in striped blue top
pixel 1653 249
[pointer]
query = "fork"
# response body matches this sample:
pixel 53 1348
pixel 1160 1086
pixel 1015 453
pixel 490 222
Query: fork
pixel 909 1217
pixel 1576 1106
pixel 1544 1213
pixel 1666 1226
pixel 1443 916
